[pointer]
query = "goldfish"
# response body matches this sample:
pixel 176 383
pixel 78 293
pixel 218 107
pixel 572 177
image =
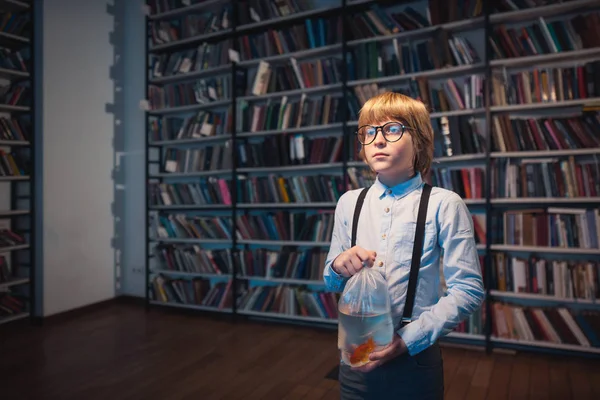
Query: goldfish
pixel 360 355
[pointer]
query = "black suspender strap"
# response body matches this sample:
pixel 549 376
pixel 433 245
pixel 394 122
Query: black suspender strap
pixel 359 204
pixel 416 255
pixel 417 246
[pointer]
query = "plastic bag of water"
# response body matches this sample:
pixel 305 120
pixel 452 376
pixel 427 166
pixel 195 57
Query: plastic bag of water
pixel 364 317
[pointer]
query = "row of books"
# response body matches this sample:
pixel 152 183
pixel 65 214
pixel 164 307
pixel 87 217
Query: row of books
pixel 195 291
pixel 311 226
pixel 15 128
pixel 204 191
pixel 468 183
pixel 162 6
pixel 278 225
pixel 5 273
pixel 251 11
pixel 193 259
pixel 16 93
pixel 308 34
pixel 190 25
pixel 513 133
pixel 555 325
pixel 559 278
pixel 290 189
pixel 546 177
pixel 9 238
pixel 462 93
pixel 543 37
pixel 292 74
pixel 501 6
pixel 281 150
pixel 289 301
pixel 210 158
pixel 16 23
pixel 276 114
pixel 11 164
pixel 285 263
pixel 181 226
pixel 575 228
pixel 256 189
pixel 16 60
pixel 547 85
pixel 285 113
pixel 289 150
pixel 201 91
pixel 458 135
pixel 378 59
pixel 201 124
pixel 11 305
pixel 378 21
pixel 205 56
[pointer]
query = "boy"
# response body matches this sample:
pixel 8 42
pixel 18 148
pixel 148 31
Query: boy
pixel 397 143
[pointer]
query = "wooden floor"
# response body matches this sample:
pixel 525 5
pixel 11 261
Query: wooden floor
pixel 123 352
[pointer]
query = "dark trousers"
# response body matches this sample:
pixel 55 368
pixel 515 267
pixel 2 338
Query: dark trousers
pixel 405 377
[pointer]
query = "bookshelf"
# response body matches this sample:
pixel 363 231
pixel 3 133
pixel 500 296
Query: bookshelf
pixel 17 180
pixel 251 107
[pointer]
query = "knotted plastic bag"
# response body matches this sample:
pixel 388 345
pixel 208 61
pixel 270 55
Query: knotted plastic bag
pixel 364 317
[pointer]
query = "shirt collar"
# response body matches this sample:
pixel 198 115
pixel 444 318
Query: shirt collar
pixel 400 190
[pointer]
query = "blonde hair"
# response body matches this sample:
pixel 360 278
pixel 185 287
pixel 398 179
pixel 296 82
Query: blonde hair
pixel 413 113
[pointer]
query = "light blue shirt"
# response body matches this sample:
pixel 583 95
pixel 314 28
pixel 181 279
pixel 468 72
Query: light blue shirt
pixel 387 225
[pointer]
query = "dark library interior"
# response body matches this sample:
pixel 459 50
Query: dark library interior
pixel 172 212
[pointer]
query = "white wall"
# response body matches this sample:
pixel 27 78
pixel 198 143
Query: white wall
pixel 78 259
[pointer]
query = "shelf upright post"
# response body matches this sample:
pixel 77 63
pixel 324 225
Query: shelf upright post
pixel 487 9
pixel 345 111
pixel 146 168
pixel 234 198
pixel 33 154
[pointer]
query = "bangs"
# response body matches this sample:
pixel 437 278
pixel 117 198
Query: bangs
pixel 387 106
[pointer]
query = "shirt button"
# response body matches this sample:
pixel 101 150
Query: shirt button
pixel 381 263
pixel 389 191
pixel 387 209
pixel 383 236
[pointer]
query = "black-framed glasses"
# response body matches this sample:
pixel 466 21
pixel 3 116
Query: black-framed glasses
pixel 391 131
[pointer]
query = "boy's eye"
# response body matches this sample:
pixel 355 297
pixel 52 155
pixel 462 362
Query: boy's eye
pixel 371 131
pixel 394 129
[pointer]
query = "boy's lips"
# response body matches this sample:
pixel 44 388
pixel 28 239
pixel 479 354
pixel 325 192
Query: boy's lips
pixel 379 155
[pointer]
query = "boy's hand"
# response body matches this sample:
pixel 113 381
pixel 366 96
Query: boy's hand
pixel 351 261
pixel 377 358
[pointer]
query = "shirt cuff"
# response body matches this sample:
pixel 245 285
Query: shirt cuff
pixel 333 280
pixel 413 337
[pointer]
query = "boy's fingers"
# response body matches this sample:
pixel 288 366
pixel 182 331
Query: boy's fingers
pixel 368 366
pixel 344 271
pixel 366 256
pixel 356 263
pixel 381 354
pixel 362 253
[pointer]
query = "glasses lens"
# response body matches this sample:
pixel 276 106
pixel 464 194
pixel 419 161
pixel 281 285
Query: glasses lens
pixel 393 131
pixel 366 134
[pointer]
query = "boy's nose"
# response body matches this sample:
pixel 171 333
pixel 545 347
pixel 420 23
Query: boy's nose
pixel 379 139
